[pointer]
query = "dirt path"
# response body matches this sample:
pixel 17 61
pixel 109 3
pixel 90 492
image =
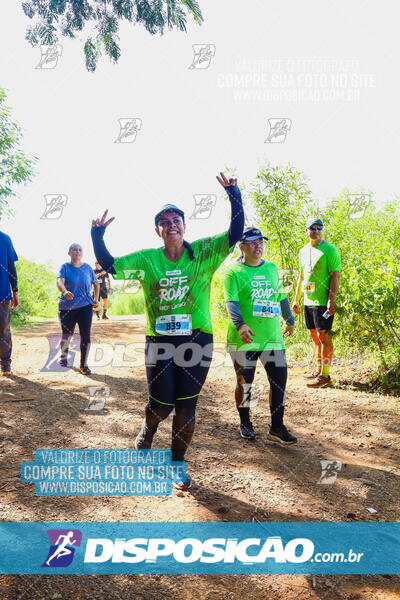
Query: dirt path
pixel 234 480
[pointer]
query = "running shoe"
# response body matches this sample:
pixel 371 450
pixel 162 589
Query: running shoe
pixel 144 438
pixel 63 363
pixel 312 375
pixel 85 370
pixel 247 431
pixel 320 382
pixel 98 317
pixel 6 370
pixel 182 484
pixel 281 436
pixel 105 317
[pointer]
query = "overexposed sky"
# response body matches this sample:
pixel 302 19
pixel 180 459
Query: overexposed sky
pixel 331 68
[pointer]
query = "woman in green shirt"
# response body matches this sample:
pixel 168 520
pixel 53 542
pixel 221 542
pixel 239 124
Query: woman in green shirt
pixel 255 300
pixel 176 281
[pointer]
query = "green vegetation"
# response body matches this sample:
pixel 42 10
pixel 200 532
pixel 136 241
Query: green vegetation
pixel 38 294
pixel 367 323
pixel 67 18
pixel 15 166
pixel 123 303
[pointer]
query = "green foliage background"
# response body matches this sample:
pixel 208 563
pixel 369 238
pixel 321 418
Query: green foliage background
pixel 368 319
pixel 122 303
pixel 15 166
pixel 38 294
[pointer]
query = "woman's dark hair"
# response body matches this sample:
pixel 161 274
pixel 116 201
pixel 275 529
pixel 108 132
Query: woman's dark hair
pixel 189 249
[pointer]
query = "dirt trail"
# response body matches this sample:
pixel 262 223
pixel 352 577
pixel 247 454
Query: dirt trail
pixel 234 480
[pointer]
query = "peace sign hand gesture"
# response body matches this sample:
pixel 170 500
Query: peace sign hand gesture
pixel 224 182
pixel 102 222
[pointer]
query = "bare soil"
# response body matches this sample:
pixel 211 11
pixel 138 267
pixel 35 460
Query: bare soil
pixel 234 479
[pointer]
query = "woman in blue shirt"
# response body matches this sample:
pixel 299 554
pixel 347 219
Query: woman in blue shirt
pixel 75 281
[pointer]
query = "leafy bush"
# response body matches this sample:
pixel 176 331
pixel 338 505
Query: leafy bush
pixel 368 316
pixel 38 293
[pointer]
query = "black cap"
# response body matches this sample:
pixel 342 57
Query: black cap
pixel 252 233
pixel 166 207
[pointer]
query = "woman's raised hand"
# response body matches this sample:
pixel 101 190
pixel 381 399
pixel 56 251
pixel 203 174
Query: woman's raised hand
pixel 102 222
pixel 224 182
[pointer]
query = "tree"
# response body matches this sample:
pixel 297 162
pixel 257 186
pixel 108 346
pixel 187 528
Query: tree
pixel 283 202
pixel 55 18
pixel 15 166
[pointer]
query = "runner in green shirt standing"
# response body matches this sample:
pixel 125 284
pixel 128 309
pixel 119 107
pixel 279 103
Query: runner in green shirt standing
pixel 176 281
pixel 319 281
pixel 255 300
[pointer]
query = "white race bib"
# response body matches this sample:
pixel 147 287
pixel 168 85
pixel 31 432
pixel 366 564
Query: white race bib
pixel 309 287
pixel 174 325
pixel 266 308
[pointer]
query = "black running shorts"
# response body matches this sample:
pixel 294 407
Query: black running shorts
pixel 315 320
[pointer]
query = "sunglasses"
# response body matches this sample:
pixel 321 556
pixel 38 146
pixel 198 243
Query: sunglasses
pixel 255 242
pixel 314 227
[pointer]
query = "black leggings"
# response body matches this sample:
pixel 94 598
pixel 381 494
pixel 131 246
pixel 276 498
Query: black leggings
pixel 274 363
pixel 176 368
pixel 68 320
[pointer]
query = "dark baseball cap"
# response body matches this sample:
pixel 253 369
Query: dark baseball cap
pixel 314 221
pixel 252 233
pixel 166 207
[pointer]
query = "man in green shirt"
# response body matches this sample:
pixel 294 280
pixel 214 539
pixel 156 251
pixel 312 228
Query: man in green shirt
pixel 319 281
pixel 255 299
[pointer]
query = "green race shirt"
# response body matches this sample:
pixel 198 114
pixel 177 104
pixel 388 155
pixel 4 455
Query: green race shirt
pixel 316 262
pixel 177 294
pixel 259 292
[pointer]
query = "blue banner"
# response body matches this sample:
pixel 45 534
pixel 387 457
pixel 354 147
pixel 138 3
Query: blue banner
pixel 102 472
pixel 200 548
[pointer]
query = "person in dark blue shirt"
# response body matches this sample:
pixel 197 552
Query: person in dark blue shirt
pixel 75 281
pixel 8 277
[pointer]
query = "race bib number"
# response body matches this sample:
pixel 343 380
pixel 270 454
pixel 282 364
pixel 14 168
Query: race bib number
pixel 309 287
pixel 174 325
pixel 266 308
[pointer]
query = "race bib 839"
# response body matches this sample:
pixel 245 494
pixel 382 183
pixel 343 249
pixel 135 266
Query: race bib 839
pixel 174 325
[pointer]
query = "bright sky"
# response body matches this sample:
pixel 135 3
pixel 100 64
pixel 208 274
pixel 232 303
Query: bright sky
pixel 330 67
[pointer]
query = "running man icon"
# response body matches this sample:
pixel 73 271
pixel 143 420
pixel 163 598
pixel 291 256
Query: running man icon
pixel 60 552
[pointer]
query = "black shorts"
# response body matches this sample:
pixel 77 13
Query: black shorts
pixel 103 293
pixel 315 320
pixel 177 365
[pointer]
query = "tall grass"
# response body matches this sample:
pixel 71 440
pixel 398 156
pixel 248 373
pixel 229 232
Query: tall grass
pixel 127 304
